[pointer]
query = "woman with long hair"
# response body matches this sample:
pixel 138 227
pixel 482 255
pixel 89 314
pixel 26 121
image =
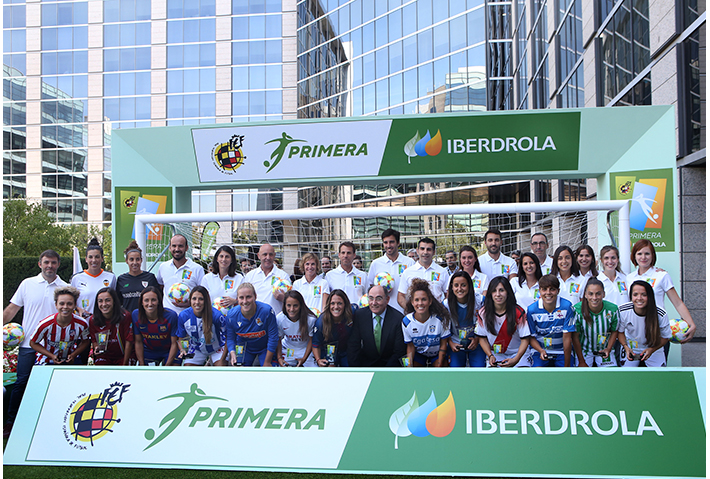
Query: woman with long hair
pixel 426 327
pixel 596 323
pixel 468 259
pixel 202 327
pixel 313 287
pixel 130 285
pixel 502 329
pixel 332 330
pixel 643 328
pixel 224 280
pixel 586 261
pixel 463 304
pixel 565 267
pixel 616 289
pixel 110 330
pixel 525 285
pixel 295 323
pixel 643 256
pixel 155 330
pixel 92 279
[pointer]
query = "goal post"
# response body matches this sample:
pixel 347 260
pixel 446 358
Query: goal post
pixel 291 217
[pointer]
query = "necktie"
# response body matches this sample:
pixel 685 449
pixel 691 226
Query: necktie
pixel 378 331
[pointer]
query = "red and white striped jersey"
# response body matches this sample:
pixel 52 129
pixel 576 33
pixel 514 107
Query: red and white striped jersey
pixel 60 340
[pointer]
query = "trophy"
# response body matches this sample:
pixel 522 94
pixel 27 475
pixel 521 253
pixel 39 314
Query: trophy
pixel 600 345
pixel 239 352
pixel 189 351
pixel 102 342
pixel 633 344
pixel 331 352
pixel 464 340
pixel 63 352
pixel 289 356
pixel 405 361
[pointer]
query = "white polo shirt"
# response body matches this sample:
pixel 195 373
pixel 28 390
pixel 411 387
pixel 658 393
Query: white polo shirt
pixel 353 283
pixel 189 273
pixel 435 275
pixel 572 289
pixel 503 266
pixel 546 266
pixel 263 283
pixel 660 281
pixel 313 292
pixel 395 269
pixel 36 295
pixel 617 291
pixel 219 287
pixel 479 280
pixel 525 295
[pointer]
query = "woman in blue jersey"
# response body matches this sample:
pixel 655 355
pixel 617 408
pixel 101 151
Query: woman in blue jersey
pixel 332 330
pixel 463 304
pixel 426 327
pixel 252 327
pixel 202 327
pixel 502 327
pixel 155 330
pixel 295 324
pixel 596 323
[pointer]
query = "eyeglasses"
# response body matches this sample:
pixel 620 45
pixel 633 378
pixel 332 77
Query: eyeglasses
pixel 538 243
pixel 375 299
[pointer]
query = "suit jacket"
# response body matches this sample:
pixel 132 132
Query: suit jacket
pixel 362 351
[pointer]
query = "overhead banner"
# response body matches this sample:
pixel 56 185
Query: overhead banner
pixel 651 211
pixel 421 145
pixel 578 423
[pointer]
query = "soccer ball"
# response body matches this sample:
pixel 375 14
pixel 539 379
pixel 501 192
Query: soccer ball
pixel 385 280
pixel 280 285
pixel 364 302
pixel 179 292
pixel 217 303
pixel 679 330
pixel 12 335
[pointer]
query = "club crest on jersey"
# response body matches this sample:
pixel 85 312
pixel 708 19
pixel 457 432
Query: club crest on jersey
pixel 144 283
pixel 259 322
pixel 559 315
pixel 622 286
pixel 435 276
pixel 357 281
pixel 186 274
pixel 432 328
pixel 106 282
pixel 163 328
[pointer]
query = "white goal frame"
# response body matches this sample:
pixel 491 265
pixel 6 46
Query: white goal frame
pixel 622 206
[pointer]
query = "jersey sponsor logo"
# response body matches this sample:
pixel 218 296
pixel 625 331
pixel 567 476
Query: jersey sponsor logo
pixel 90 417
pixel 316 290
pixel 401 268
pixel 574 288
pixel 651 281
pixel 435 276
pixel 423 146
pixel 357 281
pixel 252 335
pixel 229 156
pixel 427 419
pixel 186 274
pixel 228 284
pixel 476 284
pixel 505 269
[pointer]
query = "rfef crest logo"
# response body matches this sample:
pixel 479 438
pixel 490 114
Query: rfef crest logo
pixel 423 146
pixel 91 416
pixel 228 157
pixel 421 421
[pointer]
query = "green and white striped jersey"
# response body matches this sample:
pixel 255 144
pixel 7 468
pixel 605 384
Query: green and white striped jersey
pixel 594 337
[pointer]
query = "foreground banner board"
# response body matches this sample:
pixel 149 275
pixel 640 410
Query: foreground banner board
pixel 532 423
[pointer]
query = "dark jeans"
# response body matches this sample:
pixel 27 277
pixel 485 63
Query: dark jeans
pixel 25 361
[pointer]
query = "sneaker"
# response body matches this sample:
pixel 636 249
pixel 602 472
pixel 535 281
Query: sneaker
pixel 6 430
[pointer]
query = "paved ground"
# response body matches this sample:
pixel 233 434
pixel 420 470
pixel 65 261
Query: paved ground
pixel 694 354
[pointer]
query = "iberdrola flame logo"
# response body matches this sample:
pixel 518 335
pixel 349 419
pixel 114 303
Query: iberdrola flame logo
pixel 426 146
pixel 421 421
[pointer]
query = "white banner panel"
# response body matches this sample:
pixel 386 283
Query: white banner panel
pixel 247 419
pixel 318 150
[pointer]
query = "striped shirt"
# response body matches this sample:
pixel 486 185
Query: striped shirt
pixel 59 340
pixel 595 336
pixel 634 326
pixel 548 328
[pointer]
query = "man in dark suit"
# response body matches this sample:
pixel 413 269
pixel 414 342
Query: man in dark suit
pixel 365 348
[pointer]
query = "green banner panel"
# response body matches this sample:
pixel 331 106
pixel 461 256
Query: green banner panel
pixel 131 201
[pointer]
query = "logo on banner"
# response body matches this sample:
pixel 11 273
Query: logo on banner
pixel 423 146
pixel 91 416
pixel 421 421
pixel 129 202
pixel 228 157
pixel 278 153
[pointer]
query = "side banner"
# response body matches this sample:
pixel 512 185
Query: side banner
pixel 535 423
pixel 131 201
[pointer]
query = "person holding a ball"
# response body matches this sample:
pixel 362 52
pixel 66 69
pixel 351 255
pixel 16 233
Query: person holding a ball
pixel 224 280
pixel 180 269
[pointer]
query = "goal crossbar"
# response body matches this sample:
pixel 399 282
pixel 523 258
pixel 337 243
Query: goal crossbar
pixel 622 206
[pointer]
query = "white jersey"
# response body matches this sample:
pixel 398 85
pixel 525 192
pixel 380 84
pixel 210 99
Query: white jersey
pixel 313 292
pixel 426 336
pixel 660 281
pixel 546 266
pixel 89 285
pixel 435 275
pixel 616 291
pixel 36 295
pixel 294 346
pixel 521 331
pixel 525 295
pixel 353 283
pixel 219 287
pixel 189 273
pixel 479 280
pixel 395 269
pixel 572 289
pixel 634 326
pixel 503 266
pixel 263 284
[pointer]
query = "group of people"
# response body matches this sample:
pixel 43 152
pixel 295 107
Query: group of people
pixel 488 310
